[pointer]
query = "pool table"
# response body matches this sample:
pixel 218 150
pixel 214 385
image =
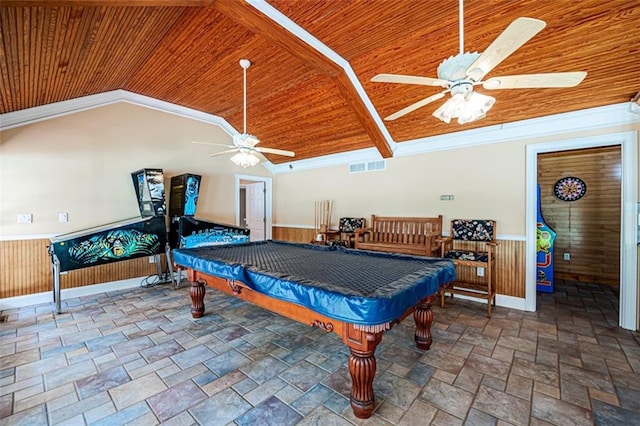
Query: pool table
pixel 354 293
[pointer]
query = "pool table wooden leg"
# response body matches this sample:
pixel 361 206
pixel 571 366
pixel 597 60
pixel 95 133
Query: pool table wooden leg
pixel 196 292
pixel 423 315
pixel 362 366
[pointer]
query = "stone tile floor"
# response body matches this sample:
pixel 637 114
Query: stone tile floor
pixel 137 357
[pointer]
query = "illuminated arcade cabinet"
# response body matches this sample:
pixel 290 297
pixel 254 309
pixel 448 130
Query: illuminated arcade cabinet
pixel 545 237
pixel 127 239
pixel 186 231
pixel 183 201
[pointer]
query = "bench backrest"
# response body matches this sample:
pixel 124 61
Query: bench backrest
pixel 405 230
pixel 473 229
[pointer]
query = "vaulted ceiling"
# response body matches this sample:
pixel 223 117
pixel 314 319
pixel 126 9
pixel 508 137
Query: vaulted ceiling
pixel 299 99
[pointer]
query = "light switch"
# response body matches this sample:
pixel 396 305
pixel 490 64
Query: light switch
pixel 63 217
pixel 25 218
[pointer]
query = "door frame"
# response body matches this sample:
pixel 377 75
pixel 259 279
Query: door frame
pixel 268 203
pixel 628 142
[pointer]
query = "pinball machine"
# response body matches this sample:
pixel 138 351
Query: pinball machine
pixel 126 239
pixel 187 231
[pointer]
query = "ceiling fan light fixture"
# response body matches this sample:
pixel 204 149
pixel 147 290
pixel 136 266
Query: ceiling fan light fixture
pixel 466 108
pixel 245 159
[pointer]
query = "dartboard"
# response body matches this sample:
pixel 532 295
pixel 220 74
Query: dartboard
pixel 570 188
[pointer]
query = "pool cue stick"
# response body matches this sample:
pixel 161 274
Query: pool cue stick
pixel 315 217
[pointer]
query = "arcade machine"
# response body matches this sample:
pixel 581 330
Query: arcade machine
pixel 185 231
pixel 545 237
pixel 113 242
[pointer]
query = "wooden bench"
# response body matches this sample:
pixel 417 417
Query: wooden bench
pixel 407 235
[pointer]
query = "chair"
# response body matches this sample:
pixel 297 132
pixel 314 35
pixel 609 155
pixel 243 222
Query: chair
pixel 347 229
pixel 471 245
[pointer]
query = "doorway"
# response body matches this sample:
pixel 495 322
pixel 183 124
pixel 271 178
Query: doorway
pixel 253 196
pixel 628 252
pixel 581 200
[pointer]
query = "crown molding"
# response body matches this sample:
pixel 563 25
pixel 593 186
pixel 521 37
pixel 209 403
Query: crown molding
pixel 588 119
pixel 58 109
pixel 72 106
pixel 367 154
pixel 558 124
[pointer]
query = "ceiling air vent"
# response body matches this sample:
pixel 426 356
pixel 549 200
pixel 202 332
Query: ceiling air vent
pixel 368 166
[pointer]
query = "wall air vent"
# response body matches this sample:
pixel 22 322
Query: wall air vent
pixel 368 166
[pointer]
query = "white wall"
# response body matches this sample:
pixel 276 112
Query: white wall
pixel 412 185
pixel 82 163
pixel 487 181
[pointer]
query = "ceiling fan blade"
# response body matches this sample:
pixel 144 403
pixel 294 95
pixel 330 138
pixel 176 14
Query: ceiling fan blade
pixel 526 81
pixel 216 154
pixel 212 144
pixel 415 106
pixel 515 35
pixel 260 155
pixel 410 79
pixel 275 151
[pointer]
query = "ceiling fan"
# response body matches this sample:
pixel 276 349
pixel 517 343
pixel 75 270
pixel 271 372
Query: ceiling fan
pixel 244 144
pixel 458 74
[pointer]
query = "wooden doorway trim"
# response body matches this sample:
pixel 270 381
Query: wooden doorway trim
pixel 268 201
pixel 628 142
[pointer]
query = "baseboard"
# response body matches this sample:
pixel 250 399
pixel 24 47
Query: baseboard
pixel 501 300
pixel 69 293
pixel 510 302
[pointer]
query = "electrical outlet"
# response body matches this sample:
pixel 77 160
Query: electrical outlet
pixel 480 272
pixel 152 259
pixel 25 218
pixel 446 197
pixel 566 256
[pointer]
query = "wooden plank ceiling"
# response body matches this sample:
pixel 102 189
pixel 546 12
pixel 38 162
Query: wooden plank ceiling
pixel 187 53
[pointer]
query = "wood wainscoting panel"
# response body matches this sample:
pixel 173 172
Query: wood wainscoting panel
pixel 510 260
pixel 588 228
pixel 294 235
pixel 510 265
pixel 25 268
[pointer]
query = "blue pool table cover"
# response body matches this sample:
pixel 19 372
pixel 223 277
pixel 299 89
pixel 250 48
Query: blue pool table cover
pixel 356 286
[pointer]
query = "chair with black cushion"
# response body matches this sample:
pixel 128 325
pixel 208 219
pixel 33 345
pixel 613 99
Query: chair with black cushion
pixel 347 228
pixel 472 245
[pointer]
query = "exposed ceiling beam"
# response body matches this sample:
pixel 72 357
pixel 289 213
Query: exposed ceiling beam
pixel 258 23
pixel 254 20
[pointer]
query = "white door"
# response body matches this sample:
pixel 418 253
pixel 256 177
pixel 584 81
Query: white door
pixel 255 220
